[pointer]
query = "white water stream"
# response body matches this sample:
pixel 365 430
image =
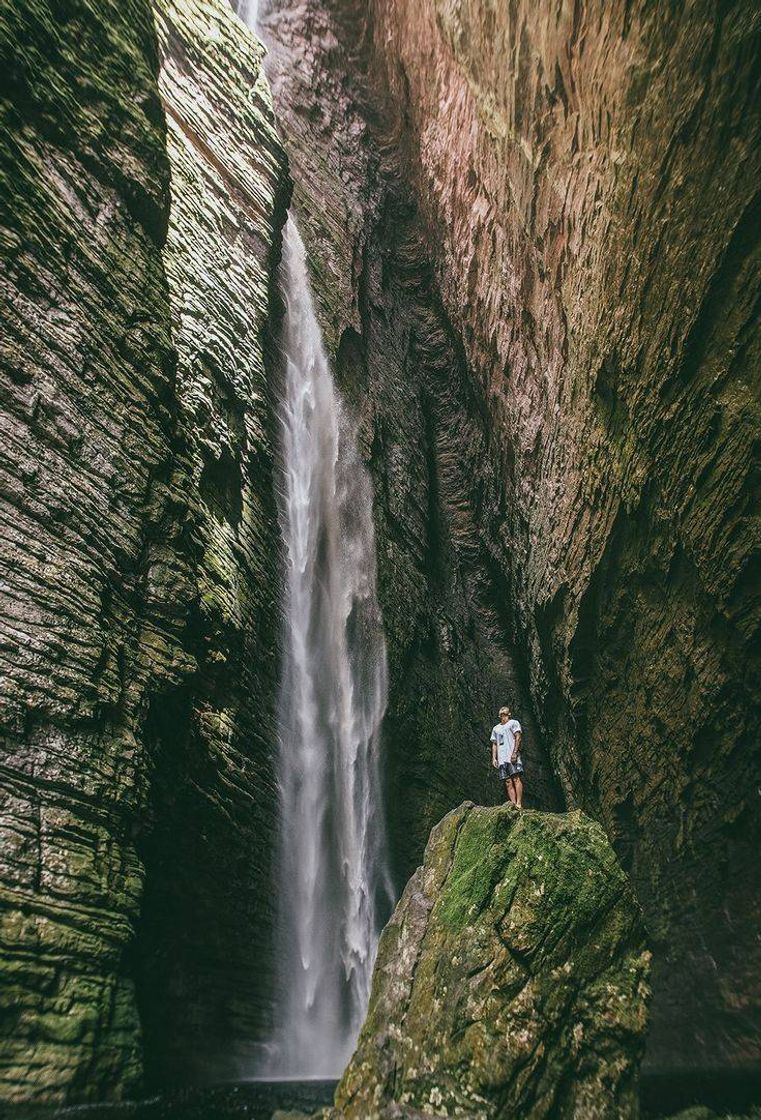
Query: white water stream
pixel 333 884
pixel 332 866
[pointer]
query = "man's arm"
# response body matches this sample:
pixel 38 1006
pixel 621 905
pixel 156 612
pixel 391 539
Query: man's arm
pixel 494 750
pixel 517 747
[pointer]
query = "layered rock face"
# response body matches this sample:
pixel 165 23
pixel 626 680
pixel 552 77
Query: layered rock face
pixel 204 949
pixel 511 980
pixel 439 501
pixel 586 182
pixel 94 592
pixel 139 542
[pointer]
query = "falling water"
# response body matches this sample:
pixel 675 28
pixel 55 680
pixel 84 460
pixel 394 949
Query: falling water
pixel 332 869
pixel 248 10
pixel 333 884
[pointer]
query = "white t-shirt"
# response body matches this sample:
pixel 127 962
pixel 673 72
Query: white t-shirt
pixel 504 736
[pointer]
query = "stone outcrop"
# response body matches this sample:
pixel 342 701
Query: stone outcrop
pixel 511 980
pixel 585 182
pixel 139 542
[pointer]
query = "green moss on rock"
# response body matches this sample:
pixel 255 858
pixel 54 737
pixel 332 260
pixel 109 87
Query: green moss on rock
pixel 512 979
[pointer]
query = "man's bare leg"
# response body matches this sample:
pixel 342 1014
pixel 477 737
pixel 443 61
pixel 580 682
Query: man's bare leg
pixel 510 790
pixel 518 783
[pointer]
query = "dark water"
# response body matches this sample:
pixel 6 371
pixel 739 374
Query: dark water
pixel 662 1095
pixel 252 1100
pixel 724 1091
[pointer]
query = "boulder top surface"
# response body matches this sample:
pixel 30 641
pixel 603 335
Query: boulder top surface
pixel 512 979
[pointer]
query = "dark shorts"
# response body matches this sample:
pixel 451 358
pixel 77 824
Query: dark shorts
pixel 507 770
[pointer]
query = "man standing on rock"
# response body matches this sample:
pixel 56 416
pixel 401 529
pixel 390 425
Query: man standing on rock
pixel 505 755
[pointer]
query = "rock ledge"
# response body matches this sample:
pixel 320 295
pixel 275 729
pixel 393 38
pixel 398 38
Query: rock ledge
pixel 512 979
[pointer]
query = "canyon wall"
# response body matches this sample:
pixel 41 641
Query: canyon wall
pixel 139 543
pixel 204 947
pixel 93 594
pixel 534 239
pixel 586 176
pixel 443 559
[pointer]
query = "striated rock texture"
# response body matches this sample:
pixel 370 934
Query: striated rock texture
pixel 204 947
pixel 93 593
pixel 586 178
pixel 511 980
pixel 443 559
pixel 138 543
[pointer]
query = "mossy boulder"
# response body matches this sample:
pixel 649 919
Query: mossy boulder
pixel 511 981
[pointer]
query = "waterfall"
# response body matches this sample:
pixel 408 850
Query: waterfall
pixel 333 884
pixel 331 863
pixel 248 10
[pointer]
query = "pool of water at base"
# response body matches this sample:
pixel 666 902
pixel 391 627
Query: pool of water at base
pixel 663 1094
pixel 249 1100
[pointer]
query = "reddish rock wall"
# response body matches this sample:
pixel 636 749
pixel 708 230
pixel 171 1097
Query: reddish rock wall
pixel 585 178
pixel 588 177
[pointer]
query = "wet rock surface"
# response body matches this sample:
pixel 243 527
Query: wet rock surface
pixel 512 979
pixel 298 1100
pixel 247 1101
